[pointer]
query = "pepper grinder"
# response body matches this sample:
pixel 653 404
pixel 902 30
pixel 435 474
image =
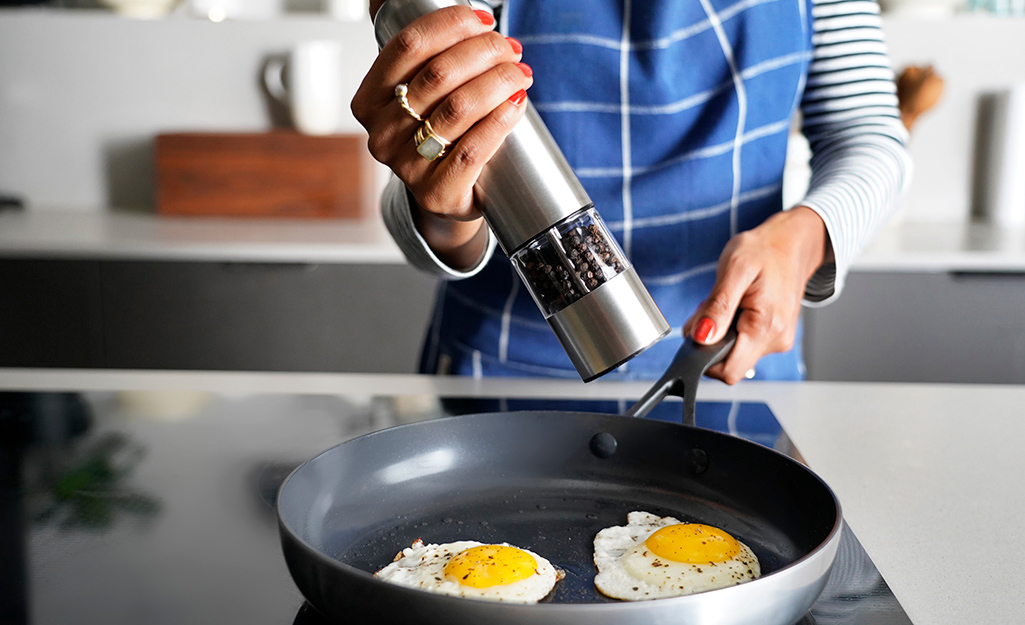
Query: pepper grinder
pixel 547 225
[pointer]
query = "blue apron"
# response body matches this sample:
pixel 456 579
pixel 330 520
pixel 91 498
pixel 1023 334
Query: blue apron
pixel 675 115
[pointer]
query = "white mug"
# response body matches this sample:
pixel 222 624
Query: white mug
pixel 314 90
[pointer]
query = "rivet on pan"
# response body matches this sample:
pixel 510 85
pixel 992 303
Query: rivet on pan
pixel 603 445
pixel 698 461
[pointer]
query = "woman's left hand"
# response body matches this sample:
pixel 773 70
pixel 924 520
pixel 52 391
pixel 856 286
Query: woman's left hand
pixel 763 273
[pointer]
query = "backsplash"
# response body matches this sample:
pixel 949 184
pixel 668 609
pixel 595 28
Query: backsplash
pixel 975 55
pixel 83 93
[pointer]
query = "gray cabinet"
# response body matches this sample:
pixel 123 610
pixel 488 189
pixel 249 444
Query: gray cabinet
pixel 900 327
pixel 222 316
pixel 50 314
pixel 921 327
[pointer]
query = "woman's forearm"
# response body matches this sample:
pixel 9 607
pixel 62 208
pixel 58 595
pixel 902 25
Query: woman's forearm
pixel 458 244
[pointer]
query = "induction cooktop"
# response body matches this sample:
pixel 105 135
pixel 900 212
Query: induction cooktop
pixel 125 508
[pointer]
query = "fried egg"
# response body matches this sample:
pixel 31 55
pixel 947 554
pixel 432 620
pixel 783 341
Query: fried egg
pixel 654 557
pixel 471 569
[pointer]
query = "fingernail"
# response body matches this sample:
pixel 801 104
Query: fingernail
pixel 705 329
pixel 485 18
pixel 516 45
pixel 525 69
pixel 518 97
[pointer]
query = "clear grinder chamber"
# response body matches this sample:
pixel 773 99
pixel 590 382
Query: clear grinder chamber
pixel 589 293
pixel 546 223
pixel 568 261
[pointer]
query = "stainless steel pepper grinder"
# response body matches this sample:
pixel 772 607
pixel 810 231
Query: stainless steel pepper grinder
pixel 548 227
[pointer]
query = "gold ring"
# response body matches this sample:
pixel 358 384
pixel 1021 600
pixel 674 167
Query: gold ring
pixel 430 144
pixel 401 90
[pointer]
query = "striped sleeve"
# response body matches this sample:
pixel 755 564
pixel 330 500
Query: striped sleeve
pixel 398 217
pixel 859 163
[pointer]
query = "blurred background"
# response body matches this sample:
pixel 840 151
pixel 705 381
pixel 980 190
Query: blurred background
pixel 160 209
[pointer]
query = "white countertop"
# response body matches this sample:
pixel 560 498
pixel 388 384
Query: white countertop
pixel 931 477
pixel 138 236
pixel 111 235
pixel 928 247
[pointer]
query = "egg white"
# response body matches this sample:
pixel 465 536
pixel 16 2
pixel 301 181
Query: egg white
pixel 628 570
pixel 423 566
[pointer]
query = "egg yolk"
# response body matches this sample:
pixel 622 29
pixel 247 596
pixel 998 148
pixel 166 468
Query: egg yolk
pixel 491 565
pixel 692 543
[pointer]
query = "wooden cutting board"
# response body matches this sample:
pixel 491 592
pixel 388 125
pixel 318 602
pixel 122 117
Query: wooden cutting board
pixel 272 174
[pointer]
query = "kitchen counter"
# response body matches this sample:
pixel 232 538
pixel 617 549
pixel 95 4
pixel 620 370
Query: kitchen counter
pixel 938 247
pixel 111 235
pixel 931 477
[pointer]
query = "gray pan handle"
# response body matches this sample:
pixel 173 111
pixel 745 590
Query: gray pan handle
pixel 692 360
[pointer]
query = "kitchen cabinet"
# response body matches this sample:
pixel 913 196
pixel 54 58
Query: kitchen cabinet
pixel 212 315
pixel 925 302
pixel 921 327
pixel 125 290
pixel 50 314
pixel 887 326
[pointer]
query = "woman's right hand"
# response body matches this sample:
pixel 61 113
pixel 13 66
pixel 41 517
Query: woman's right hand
pixel 467 80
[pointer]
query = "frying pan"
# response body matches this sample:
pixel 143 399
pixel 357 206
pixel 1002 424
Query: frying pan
pixel 549 481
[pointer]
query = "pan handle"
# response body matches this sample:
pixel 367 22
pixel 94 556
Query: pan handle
pixel 692 360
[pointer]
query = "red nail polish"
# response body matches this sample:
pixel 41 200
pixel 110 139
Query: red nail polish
pixel 485 18
pixel 515 45
pixel 525 69
pixel 518 97
pixel 705 329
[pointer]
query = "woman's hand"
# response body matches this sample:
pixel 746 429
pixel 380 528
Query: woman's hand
pixel 468 82
pixel 763 273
